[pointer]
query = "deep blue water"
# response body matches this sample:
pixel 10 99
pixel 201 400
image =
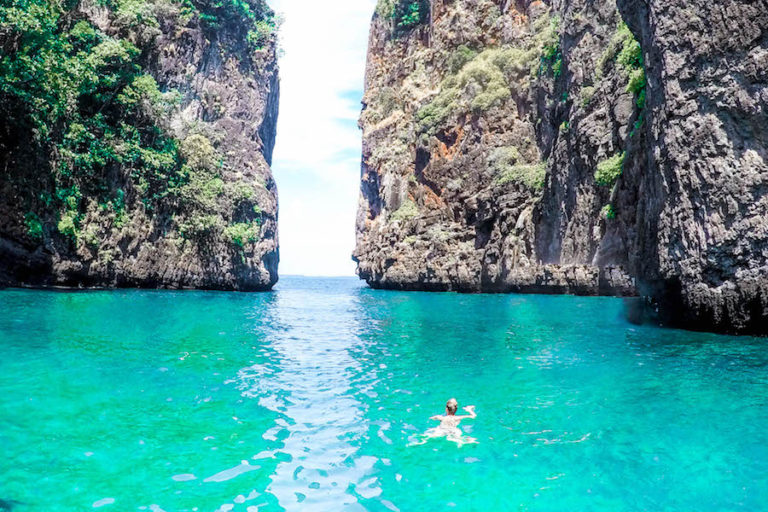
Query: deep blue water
pixel 310 398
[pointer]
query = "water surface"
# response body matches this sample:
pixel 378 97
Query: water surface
pixel 307 398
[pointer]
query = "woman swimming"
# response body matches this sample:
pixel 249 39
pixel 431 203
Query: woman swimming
pixel 449 425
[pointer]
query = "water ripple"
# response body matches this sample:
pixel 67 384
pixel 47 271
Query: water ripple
pixel 306 398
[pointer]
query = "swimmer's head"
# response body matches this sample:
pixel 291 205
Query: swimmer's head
pixel 451 406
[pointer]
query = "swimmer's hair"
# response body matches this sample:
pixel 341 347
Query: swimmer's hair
pixel 452 406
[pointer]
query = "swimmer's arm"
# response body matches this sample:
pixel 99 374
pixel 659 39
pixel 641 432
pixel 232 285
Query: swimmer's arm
pixel 471 410
pixel 437 417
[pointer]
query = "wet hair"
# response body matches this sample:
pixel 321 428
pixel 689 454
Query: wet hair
pixel 452 405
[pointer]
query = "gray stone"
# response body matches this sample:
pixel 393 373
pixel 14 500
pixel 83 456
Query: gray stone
pixel 230 94
pixel 689 213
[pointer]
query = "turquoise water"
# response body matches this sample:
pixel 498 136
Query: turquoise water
pixel 307 398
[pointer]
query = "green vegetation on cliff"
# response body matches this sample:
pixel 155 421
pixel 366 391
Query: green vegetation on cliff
pixel 408 210
pixel 509 167
pixel 480 80
pixel 254 15
pixel 404 14
pixel 78 100
pixel 608 212
pixel 484 81
pixel 242 233
pixel 82 99
pixel 609 170
pixel 548 31
pixel 627 54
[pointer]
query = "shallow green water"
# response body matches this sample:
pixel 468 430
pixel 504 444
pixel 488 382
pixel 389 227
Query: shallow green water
pixel 307 398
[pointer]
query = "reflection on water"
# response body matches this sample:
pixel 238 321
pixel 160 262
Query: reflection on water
pixel 307 398
pixel 309 382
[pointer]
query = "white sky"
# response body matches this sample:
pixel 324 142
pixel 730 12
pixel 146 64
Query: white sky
pixel 316 162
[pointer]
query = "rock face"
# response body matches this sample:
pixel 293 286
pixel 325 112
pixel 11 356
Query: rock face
pixel 571 147
pixel 208 217
pixel 701 224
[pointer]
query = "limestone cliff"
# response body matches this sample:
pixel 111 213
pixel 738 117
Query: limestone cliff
pixel 138 155
pixel 580 147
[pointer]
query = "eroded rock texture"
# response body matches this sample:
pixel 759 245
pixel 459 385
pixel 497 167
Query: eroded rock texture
pixel 701 219
pixel 572 147
pixel 213 223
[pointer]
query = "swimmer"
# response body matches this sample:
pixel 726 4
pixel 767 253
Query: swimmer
pixel 450 420
pixel 449 425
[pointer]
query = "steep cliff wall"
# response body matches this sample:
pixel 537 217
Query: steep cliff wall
pixel 581 146
pixel 136 140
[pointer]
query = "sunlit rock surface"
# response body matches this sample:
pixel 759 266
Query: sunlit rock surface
pixel 571 147
pixel 218 229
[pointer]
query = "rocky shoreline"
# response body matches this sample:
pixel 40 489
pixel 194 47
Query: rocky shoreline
pixel 594 148
pixel 175 190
